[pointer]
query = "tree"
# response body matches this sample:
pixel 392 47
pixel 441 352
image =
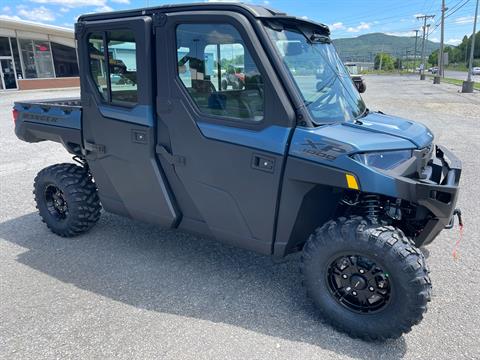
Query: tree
pixel 386 61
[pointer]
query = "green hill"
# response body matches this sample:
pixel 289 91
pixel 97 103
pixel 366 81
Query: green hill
pixel 364 47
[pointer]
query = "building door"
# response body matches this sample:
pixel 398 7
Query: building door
pixel 7 74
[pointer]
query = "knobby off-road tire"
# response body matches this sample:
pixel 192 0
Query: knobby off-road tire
pixel 404 274
pixel 67 199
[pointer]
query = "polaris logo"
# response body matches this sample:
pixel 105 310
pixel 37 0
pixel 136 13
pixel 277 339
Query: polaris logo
pixel 325 151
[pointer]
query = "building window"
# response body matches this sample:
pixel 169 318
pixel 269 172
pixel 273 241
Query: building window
pixel 43 59
pixel 219 72
pixel 4 46
pixel 65 60
pixel 16 58
pixel 26 48
pixel 37 59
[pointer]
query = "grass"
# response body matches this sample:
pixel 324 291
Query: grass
pixel 476 85
pixel 457 82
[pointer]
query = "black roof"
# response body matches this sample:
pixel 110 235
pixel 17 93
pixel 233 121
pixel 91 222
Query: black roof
pixel 253 10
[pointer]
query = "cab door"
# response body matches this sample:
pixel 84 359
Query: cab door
pixel 118 120
pixel 224 122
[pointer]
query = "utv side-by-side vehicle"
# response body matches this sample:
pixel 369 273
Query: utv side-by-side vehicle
pixel 290 161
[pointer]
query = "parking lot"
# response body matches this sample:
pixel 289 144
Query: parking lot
pixel 132 290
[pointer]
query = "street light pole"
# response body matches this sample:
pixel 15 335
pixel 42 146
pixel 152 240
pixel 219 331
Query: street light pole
pixel 422 65
pixel 467 86
pixel 415 54
pixel 440 70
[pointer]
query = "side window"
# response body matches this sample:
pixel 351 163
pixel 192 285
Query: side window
pixel 98 62
pixel 117 82
pixel 122 59
pixel 218 71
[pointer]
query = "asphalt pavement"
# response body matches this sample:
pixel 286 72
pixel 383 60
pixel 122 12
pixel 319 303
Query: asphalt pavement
pixel 130 290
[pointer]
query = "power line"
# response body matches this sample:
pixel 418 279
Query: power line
pixel 454 11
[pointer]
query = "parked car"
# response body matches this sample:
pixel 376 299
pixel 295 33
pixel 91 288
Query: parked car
pixel 357 78
pixel 476 71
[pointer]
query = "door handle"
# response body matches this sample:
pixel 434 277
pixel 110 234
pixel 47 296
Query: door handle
pixel 263 163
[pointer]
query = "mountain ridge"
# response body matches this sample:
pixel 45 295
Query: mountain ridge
pixel 364 47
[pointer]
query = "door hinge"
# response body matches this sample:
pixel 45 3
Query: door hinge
pixel 176 160
pixel 92 147
pixel 79 29
pixel 158 20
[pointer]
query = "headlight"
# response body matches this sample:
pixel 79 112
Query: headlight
pixel 384 160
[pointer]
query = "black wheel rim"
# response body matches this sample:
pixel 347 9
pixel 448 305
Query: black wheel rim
pixel 56 203
pixel 359 283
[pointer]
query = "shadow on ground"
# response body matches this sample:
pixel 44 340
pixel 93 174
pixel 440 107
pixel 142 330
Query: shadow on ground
pixel 177 273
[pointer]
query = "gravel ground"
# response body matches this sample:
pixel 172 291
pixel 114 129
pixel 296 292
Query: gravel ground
pixel 132 290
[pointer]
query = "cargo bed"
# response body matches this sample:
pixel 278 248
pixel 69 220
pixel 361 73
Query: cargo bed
pixel 57 120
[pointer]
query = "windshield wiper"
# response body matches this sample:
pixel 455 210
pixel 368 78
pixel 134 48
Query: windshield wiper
pixel 365 113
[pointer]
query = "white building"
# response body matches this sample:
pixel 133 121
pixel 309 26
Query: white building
pixel 36 56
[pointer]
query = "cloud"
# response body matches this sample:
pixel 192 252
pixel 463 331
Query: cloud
pixel 9 17
pixel 104 8
pixel 337 26
pixel 453 41
pixel 73 3
pixel 358 28
pixel 418 15
pixel 40 14
pixel 464 20
pixel 121 1
pixel 400 33
pixel 64 10
pixel 6 9
pixel 304 17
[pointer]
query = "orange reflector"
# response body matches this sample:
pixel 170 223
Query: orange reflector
pixel 352 182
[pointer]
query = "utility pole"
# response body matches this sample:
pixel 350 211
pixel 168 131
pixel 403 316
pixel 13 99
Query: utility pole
pixel 426 41
pixel 440 71
pixel 415 54
pixel 422 65
pixel 406 59
pixel 381 59
pixel 467 86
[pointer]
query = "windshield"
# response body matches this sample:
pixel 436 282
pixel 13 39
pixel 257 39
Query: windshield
pixel 325 85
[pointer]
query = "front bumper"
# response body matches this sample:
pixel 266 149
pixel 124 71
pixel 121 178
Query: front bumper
pixel 438 192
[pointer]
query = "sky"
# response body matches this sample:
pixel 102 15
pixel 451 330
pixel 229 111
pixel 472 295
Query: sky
pixel 346 18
